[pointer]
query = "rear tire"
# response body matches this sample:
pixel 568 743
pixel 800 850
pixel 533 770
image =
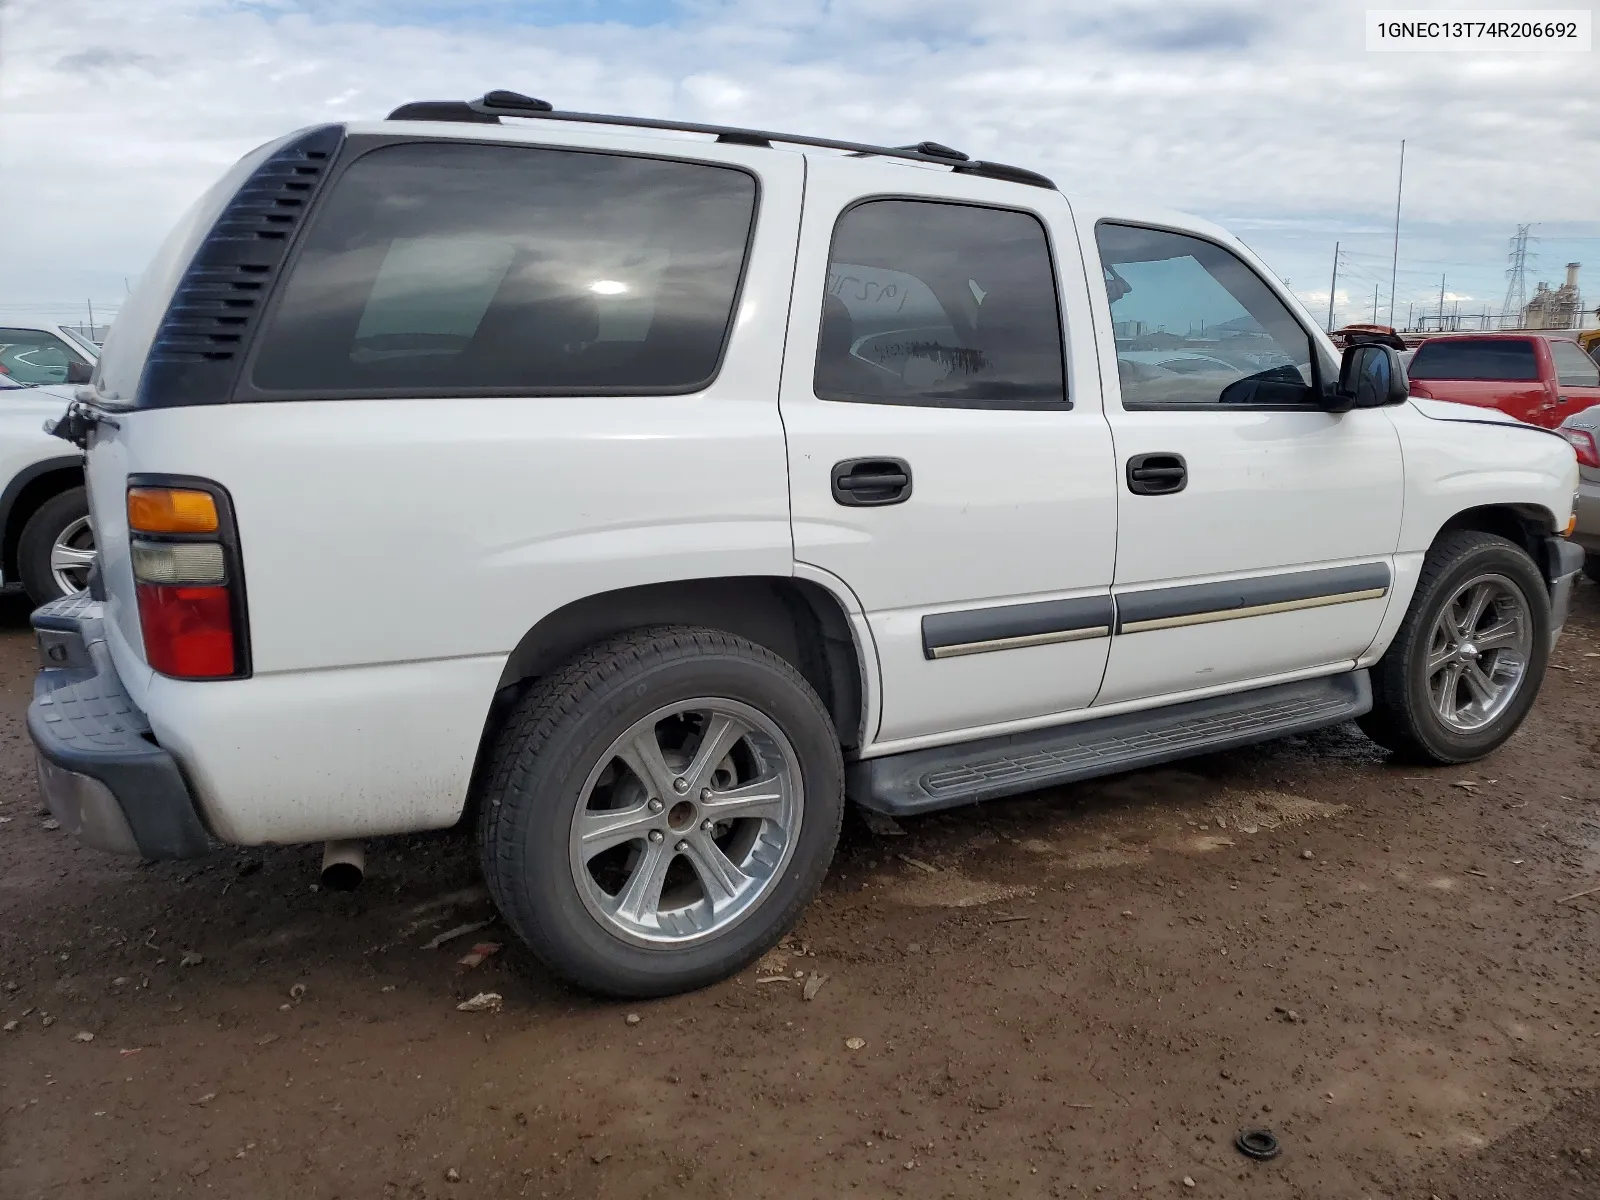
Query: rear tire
pixel 1440 692
pixel 600 831
pixel 1591 567
pixel 58 526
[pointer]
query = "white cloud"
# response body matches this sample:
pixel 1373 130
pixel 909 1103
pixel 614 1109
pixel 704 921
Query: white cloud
pixel 1270 116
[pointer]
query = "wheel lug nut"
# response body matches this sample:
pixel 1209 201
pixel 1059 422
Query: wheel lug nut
pixel 681 847
pixel 705 793
pixel 655 806
pixel 680 786
pixel 655 835
pixel 707 825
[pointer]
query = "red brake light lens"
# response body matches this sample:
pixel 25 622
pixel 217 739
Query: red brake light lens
pixel 1583 442
pixel 187 577
pixel 188 631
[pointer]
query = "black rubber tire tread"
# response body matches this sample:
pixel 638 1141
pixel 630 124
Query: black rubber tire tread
pixel 541 743
pixel 39 535
pixel 1397 722
pixel 1591 567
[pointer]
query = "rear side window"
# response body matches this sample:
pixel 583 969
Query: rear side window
pixel 930 303
pixel 461 269
pixel 32 356
pixel 1502 360
pixel 1574 368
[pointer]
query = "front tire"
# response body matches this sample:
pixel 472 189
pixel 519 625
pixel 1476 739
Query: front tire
pixel 1467 662
pixel 56 548
pixel 658 811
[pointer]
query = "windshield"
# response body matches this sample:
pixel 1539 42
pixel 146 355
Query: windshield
pixel 35 356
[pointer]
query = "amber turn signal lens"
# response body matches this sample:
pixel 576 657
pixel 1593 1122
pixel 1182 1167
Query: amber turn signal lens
pixel 171 510
pixel 1572 523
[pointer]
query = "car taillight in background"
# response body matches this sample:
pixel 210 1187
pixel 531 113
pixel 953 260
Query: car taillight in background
pixel 185 557
pixel 1583 442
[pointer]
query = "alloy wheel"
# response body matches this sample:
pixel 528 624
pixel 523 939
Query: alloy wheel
pixel 1478 653
pixel 686 823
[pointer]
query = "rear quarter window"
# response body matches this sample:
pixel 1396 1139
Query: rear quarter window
pixel 1498 360
pixel 1574 368
pixel 462 269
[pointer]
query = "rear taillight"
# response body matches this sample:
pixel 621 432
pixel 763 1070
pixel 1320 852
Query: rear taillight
pixel 184 551
pixel 1583 442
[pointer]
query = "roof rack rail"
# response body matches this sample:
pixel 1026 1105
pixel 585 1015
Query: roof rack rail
pixel 496 104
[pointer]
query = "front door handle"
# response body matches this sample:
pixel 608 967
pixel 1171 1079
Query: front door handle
pixel 1157 474
pixel 871 482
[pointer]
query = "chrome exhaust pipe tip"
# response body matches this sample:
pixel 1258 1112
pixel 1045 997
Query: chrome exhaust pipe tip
pixel 344 865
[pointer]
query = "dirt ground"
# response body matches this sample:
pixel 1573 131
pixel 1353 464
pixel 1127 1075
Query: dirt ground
pixel 1087 992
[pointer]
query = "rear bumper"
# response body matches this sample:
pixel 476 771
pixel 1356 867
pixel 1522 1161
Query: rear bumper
pixel 1563 562
pixel 102 773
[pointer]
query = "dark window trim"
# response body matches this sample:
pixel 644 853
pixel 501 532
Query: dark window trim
pixel 1063 405
pixel 1322 373
pixel 359 146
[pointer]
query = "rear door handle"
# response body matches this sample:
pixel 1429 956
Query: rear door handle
pixel 1157 474
pixel 871 482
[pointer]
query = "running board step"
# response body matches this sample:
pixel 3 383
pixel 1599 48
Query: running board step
pixel 924 780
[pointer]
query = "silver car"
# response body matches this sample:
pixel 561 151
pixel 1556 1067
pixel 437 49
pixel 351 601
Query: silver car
pixel 1582 429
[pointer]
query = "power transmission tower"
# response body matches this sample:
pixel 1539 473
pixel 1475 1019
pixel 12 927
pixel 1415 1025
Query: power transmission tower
pixel 1517 280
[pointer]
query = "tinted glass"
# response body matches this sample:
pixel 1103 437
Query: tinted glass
pixel 32 356
pixel 1196 327
pixel 458 268
pixel 931 303
pixel 1574 368
pixel 1494 359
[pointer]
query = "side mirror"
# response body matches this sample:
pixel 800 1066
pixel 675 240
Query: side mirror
pixel 78 372
pixel 1371 376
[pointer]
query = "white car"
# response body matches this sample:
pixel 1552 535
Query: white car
pixel 640 491
pixel 46 542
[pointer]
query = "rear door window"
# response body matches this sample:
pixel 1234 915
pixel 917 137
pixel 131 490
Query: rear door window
pixel 459 269
pixel 931 303
pixel 1574 368
pixel 1492 360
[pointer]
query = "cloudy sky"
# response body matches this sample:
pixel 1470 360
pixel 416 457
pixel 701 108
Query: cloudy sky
pixel 1270 117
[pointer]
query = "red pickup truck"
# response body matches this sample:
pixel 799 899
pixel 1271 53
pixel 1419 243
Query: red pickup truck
pixel 1537 378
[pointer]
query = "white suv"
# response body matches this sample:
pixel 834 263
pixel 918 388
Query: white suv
pixel 46 542
pixel 643 490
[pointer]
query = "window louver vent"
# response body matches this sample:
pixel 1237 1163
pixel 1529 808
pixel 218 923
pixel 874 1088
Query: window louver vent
pixel 194 358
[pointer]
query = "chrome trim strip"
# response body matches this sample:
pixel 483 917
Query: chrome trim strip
pixel 1011 625
pixel 1255 610
pixel 1017 643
